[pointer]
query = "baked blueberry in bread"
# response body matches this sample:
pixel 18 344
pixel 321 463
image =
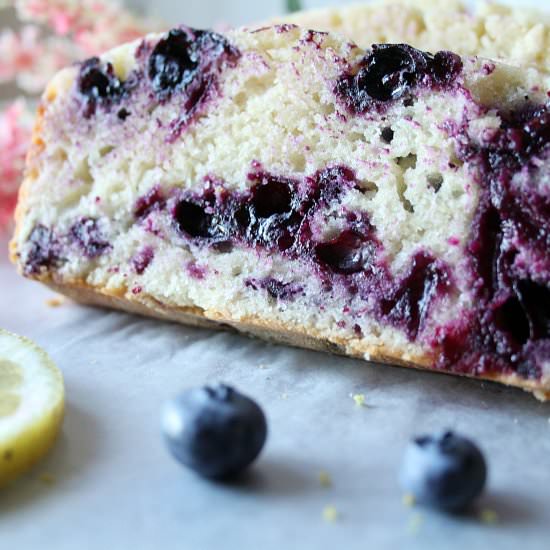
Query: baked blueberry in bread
pixel 388 204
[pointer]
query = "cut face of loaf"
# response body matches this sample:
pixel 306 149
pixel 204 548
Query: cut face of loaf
pixel 388 204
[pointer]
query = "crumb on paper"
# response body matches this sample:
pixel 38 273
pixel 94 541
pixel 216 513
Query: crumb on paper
pixel 415 522
pixel 47 479
pixel 262 366
pixel 284 395
pixel 516 420
pixel 56 301
pixel 359 399
pixel 330 514
pixel 488 516
pixel 408 500
pixel 325 479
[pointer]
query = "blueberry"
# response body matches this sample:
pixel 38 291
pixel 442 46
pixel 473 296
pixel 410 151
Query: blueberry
pixel 271 198
pixel 193 219
pixel 43 250
pixel 215 431
pixel 173 62
pixel 346 253
pixel 446 471
pixel 97 84
pixel 89 236
pixel 390 70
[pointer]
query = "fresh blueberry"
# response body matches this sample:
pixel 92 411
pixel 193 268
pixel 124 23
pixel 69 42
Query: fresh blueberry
pixel 446 471
pixel 215 431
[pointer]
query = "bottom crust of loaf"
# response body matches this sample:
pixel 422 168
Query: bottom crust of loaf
pixel 271 331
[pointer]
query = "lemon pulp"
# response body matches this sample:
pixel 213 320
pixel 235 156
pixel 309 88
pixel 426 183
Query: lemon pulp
pixel 31 405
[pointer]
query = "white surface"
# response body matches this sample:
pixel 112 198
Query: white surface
pixel 116 486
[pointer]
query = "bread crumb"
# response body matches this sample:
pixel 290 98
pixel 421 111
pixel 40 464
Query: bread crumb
pixel 284 395
pixel 408 500
pixel 330 514
pixel 325 479
pixel 47 479
pixel 261 366
pixel 415 522
pixel 359 399
pixel 56 301
pixel 488 516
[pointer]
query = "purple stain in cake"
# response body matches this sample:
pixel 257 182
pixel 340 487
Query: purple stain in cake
pixel 391 72
pixel 357 330
pixel 137 290
pixel 153 200
pixel 285 27
pixel 453 241
pixel 186 63
pixel 488 68
pixel 275 288
pixel 89 236
pixel 143 259
pixel 44 250
pixel 508 328
pixel 196 271
pixel 407 304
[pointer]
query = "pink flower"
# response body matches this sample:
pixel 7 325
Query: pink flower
pixel 30 60
pixel 95 25
pixel 15 136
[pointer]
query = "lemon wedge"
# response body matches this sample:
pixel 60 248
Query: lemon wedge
pixel 32 400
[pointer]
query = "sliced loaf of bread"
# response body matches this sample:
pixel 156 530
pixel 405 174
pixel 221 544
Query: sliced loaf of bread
pixel 387 204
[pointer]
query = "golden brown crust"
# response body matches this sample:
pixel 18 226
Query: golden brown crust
pixel 37 144
pixel 296 336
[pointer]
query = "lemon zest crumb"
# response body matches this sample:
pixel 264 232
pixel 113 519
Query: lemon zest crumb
pixel 325 479
pixel 488 516
pixel 359 399
pixel 56 301
pixel 330 514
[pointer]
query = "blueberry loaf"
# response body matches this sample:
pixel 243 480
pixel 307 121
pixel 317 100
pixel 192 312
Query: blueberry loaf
pixel 388 204
pixel 518 35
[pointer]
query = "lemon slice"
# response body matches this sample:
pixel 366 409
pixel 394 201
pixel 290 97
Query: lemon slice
pixel 31 405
